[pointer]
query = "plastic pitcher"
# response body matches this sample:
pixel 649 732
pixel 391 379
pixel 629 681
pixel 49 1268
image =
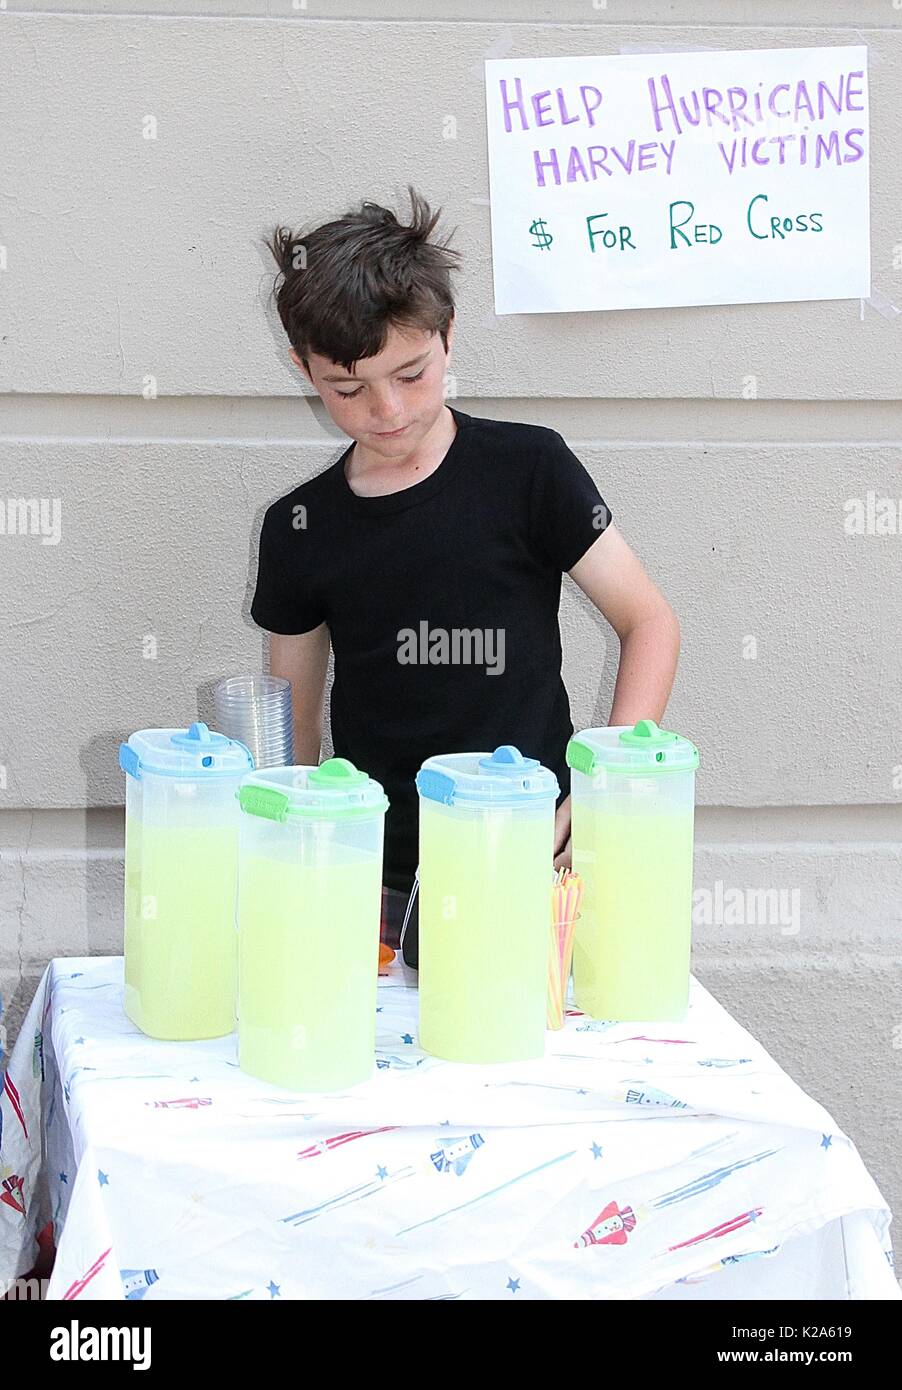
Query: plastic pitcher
pixel 633 805
pixel 309 910
pixel 486 853
pixel 181 861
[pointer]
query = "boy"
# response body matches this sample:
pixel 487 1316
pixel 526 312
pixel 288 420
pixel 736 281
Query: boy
pixel 431 553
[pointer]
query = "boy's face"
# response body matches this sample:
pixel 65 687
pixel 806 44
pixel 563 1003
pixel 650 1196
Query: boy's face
pixel 401 388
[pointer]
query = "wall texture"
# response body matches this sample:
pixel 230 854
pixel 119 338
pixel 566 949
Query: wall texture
pixel 146 390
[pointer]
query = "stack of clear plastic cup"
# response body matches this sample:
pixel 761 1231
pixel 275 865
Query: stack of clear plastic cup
pixel 256 710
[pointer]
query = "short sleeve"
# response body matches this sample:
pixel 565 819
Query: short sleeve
pixel 283 602
pixel 567 512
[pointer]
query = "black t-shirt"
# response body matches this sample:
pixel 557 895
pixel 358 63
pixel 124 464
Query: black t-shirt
pixel 441 602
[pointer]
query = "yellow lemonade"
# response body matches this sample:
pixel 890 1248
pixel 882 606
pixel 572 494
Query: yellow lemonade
pixel 632 942
pixel 132 916
pixel 308 956
pixel 180 947
pixel 483 935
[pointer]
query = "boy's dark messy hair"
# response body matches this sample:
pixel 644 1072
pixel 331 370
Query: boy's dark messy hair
pixel 347 281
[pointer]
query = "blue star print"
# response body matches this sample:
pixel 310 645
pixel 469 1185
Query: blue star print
pixel 826 1142
pixel 274 1289
pixel 64 1177
pixel 382 1173
pixel 513 1285
pixel 102 1178
pixel 406 1038
pixel 596 1151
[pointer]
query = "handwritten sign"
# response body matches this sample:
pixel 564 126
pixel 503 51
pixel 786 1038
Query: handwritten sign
pixel 686 178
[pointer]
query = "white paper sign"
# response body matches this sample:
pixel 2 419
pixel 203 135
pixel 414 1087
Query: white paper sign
pixel 685 178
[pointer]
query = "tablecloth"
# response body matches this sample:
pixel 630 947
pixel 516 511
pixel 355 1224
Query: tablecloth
pixel 632 1161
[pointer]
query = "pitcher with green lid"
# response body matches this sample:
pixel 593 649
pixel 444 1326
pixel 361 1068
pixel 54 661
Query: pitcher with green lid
pixel 181 864
pixel 486 853
pixel 632 817
pixel 309 910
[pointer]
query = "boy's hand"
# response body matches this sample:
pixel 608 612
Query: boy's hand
pixel 562 835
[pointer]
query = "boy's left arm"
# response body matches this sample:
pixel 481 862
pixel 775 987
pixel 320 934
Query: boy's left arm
pixel 612 576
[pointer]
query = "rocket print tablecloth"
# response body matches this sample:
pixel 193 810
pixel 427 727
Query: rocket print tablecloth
pixel 632 1161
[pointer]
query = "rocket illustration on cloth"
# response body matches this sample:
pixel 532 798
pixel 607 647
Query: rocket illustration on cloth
pixel 136 1282
pixel 610 1227
pixel 651 1095
pixel 336 1141
pixel 184 1103
pixel 78 1286
pixel 456 1153
pixel 12 1192
pixel 725 1228
pixel 390 1060
pixel 8 1088
pixel 643 1037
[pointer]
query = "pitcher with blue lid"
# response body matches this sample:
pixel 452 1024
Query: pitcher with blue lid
pixel 181 862
pixel 486 854
pixel 632 819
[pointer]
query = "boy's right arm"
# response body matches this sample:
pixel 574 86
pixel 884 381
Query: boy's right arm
pixel 303 660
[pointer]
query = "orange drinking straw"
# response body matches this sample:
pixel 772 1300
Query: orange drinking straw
pixel 566 894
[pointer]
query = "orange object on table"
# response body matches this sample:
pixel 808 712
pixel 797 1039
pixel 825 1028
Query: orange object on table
pixel 566 895
pixel 386 956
